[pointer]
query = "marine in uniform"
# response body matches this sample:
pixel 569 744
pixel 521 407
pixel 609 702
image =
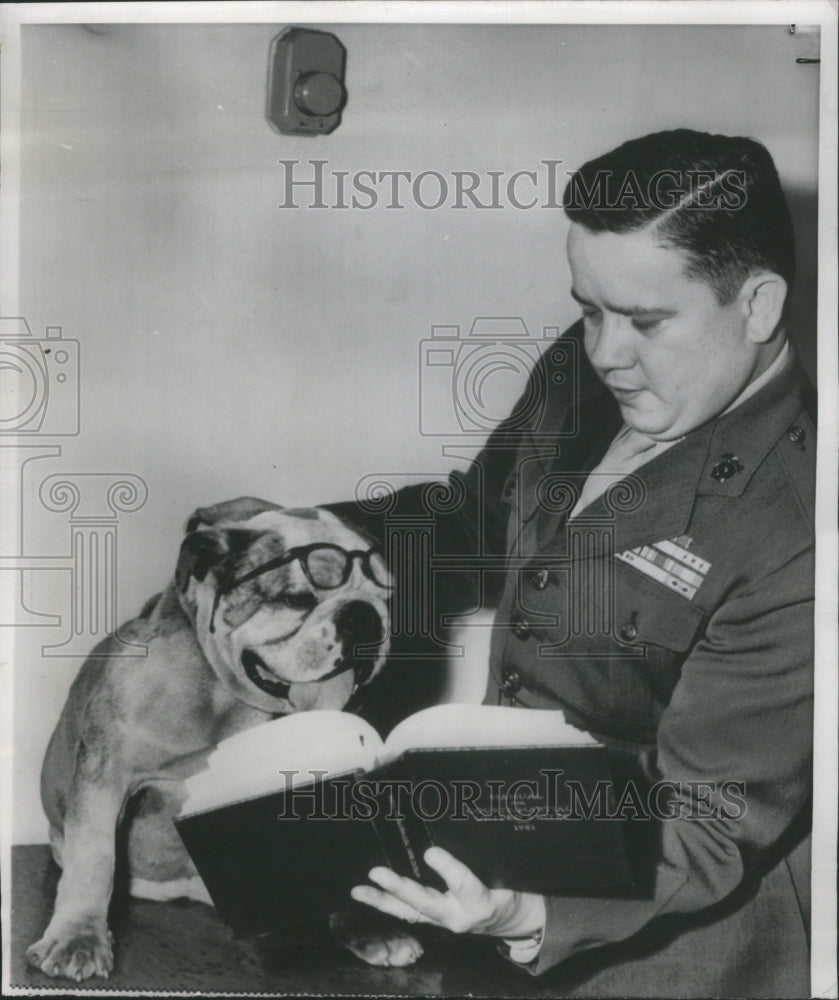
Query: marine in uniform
pixel 656 512
pixel 643 523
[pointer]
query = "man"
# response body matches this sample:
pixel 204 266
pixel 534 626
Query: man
pixel 698 399
pixel 682 637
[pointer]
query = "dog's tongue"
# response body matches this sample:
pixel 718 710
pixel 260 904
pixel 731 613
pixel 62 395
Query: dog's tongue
pixel 333 693
pixel 303 696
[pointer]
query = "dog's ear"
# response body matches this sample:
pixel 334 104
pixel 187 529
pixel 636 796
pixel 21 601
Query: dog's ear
pixel 240 509
pixel 200 552
pixel 216 549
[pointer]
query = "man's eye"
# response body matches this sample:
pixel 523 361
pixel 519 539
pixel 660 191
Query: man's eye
pixel 646 325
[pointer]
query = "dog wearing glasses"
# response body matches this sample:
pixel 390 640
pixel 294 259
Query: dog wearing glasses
pixel 271 611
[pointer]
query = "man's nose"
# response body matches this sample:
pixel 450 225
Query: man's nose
pixel 608 344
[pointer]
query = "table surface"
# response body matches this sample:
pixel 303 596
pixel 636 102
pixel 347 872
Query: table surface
pixel 184 946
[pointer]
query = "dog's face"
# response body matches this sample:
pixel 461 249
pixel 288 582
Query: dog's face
pixel 287 630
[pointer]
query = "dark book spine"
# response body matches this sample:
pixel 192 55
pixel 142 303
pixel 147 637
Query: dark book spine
pixel 399 824
pixel 402 834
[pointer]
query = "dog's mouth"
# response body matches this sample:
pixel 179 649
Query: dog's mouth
pixel 259 674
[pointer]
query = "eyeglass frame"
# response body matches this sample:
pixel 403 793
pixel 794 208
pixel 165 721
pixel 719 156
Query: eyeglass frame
pixel 302 552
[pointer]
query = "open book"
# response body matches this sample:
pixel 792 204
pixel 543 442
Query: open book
pixel 291 814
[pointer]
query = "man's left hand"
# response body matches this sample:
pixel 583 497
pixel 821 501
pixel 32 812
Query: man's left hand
pixel 467 907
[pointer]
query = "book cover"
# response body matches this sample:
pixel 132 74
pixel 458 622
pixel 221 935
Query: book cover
pixel 291 854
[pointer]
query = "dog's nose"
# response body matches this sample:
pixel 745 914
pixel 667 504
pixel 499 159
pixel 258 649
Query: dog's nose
pixel 360 621
pixel 359 625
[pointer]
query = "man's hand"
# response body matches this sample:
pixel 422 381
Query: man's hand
pixel 467 907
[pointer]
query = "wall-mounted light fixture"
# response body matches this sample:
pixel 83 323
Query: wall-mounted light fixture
pixel 306 91
pixel 807 38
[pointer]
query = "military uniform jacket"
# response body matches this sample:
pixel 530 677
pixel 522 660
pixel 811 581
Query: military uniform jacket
pixel 672 618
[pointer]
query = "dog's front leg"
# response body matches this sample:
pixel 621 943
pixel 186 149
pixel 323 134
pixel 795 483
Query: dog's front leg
pixel 77 942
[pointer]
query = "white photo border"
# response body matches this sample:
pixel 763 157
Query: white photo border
pixel 607 12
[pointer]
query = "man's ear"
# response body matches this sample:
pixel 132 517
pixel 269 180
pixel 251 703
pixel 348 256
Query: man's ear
pixel 240 509
pixel 200 552
pixel 762 298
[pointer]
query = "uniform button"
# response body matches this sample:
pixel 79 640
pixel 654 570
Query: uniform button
pixel 520 627
pixel 537 578
pixel 510 681
pixel 509 489
pixel 628 632
pixel 797 435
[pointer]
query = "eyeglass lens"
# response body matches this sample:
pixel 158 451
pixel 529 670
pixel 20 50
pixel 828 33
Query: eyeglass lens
pixel 329 568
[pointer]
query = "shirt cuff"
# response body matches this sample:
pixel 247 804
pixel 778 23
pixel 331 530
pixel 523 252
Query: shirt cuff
pixel 524 950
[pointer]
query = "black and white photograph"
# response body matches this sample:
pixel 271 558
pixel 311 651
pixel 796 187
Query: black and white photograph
pixel 418 463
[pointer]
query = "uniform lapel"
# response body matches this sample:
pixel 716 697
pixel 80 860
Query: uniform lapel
pixel 563 477
pixel 656 501
pixel 577 404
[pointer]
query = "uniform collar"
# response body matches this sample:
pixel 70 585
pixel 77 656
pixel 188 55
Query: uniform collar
pixel 749 431
pixel 658 499
pixel 757 384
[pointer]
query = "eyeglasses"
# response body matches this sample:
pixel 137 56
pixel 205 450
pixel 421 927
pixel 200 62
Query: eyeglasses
pixel 325 565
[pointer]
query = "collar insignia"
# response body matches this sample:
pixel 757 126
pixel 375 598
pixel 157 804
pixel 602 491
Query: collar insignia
pixel 729 465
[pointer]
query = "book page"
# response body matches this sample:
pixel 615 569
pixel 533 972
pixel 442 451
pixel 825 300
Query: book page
pixel 282 754
pixel 447 726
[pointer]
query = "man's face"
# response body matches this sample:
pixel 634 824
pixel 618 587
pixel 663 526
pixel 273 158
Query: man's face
pixel 672 356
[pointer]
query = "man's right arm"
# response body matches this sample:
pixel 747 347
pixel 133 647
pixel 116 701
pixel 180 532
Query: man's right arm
pixel 471 519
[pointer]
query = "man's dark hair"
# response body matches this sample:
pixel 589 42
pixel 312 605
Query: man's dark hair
pixel 717 198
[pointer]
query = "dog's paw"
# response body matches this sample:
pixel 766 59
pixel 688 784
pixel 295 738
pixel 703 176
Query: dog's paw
pixel 77 952
pixel 376 942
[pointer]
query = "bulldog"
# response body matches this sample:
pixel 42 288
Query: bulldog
pixel 271 611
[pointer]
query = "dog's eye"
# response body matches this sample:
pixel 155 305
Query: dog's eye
pixel 298 600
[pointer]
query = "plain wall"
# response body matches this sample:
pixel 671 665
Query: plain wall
pixel 230 346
